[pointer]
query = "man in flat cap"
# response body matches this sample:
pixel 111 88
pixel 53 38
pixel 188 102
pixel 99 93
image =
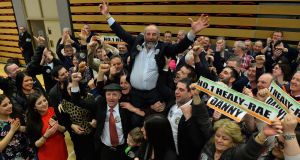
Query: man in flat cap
pixel 113 122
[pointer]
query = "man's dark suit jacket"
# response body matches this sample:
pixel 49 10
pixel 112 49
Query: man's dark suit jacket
pixel 23 43
pixel 194 132
pixel 8 86
pixel 26 46
pixel 165 49
pixel 36 68
pixel 99 108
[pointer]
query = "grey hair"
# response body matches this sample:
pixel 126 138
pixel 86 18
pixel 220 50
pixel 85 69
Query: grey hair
pixel 66 29
pixel 152 25
pixel 258 41
pixel 183 31
pixel 221 38
pixel 241 45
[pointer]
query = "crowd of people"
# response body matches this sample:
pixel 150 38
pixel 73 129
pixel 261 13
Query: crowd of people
pixel 138 100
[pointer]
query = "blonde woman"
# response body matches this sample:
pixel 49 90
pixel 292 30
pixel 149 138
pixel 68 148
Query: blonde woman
pixel 227 141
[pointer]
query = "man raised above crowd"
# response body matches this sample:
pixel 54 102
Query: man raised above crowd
pixel 147 55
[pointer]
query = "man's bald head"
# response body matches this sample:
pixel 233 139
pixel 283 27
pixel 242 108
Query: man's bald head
pixel 152 27
pixel 151 35
pixel 264 81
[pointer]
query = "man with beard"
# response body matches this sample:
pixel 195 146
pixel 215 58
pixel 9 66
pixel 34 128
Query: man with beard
pixel 242 81
pixel 228 76
pixel 147 56
pixel 59 92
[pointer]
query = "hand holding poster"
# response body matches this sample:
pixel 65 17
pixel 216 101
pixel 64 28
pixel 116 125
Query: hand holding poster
pixel 226 108
pixel 282 110
pixel 252 106
pixel 280 98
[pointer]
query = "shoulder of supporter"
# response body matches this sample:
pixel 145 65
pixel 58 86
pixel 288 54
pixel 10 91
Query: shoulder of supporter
pixel 296 157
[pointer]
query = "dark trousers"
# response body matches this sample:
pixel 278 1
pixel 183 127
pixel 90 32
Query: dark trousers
pixel 83 146
pixel 112 153
pixel 27 54
pixel 143 99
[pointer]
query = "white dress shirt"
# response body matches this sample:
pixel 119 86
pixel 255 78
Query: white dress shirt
pixel 144 72
pixel 174 117
pixel 105 137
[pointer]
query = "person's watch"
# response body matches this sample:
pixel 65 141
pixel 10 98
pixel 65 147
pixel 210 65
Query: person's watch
pixel 289 136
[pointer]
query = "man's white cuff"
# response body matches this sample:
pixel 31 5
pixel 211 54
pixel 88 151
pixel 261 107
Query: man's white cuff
pixel 110 21
pixel 191 36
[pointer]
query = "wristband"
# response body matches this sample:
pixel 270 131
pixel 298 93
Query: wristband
pixel 44 137
pixel 289 136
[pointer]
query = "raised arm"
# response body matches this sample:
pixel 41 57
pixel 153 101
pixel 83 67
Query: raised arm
pixel 250 149
pixel 75 93
pixel 91 52
pixel 119 31
pixel 291 145
pixel 196 26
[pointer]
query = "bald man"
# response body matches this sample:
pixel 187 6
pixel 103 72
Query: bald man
pixel 264 81
pixel 147 56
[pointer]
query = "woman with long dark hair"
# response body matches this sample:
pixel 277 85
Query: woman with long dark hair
pixel 45 132
pixel 159 139
pixel 282 72
pixel 25 86
pixel 13 142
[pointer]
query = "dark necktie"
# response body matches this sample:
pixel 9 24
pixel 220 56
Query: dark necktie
pixel 113 129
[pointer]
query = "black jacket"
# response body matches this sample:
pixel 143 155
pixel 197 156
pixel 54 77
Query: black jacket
pixel 25 41
pixel 165 49
pixel 56 95
pixel 248 151
pixel 36 68
pixel 8 86
pixel 193 133
pixel 99 108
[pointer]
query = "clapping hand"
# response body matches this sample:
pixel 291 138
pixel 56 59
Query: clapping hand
pixel 51 130
pixel 15 124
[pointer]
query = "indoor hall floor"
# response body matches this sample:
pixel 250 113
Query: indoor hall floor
pixel 67 136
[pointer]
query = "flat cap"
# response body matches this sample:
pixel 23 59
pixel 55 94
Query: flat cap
pixel 112 87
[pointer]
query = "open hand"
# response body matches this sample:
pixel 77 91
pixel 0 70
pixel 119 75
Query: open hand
pixel 289 123
pixel 103 8
pixel 200 24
